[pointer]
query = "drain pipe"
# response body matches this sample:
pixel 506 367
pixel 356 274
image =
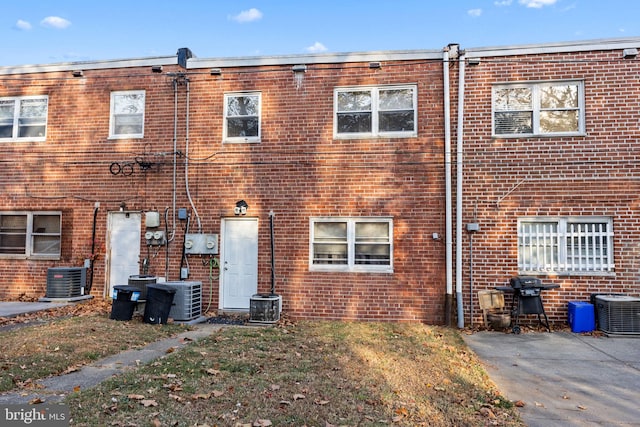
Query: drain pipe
pixel 447 173
pixel 459 177
pixel 186 161
pixel 175 156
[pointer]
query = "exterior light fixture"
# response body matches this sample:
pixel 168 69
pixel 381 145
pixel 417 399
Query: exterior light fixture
pixel 301 68
pixel 77 73
pixel 156 68
pixel 215 71
pixel 630 53
pixel 241 208
pixel 473 61
pixel 375 65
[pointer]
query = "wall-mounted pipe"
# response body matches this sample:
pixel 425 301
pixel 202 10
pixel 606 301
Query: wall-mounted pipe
pixel 448 204
pixel 186 161
pixel 459 187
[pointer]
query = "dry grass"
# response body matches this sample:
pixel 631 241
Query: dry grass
pixel 308 373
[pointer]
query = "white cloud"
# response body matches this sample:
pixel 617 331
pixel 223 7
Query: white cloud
pixel 474 12
pixel 23 25
pixel 503 3
pixel 55 22
pixel 537 4
pixel 250 15
pixel 316 47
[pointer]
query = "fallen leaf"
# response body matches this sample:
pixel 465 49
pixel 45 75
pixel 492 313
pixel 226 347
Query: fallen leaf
pixel 35 401
pixel 200 396
pixel 217 393
pixel 213 372
pixel 262 423
pixel 76 389
pixel 156 422
pixel 519 403
pixel 298 396
pixel 170 350
pixel 148 402
pixel 274 387
pixel 582 408
pixel 321 402
pixel 487 412
pixel 176 397
pixel 539 405
pixel 135 396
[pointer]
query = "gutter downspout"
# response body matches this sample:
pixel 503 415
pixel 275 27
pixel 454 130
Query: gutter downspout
pixel 459 166
pixel 447 173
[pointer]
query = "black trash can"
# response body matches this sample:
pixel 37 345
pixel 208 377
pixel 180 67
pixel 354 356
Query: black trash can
pixel 158 305
pixel 125 299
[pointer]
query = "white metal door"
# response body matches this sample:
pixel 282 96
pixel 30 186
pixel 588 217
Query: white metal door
pixel 123 247
pixel 239 262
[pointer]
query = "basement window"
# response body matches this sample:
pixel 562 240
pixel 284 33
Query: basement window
pixel 351 244
pixel 538 109
pixel 365 112
pixel 23 118
pixel 127 114
pixel 569 245
pixel 242 117
pixel 30 234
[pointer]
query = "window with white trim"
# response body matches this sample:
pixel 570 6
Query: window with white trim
pixel 30 234
pixel 385 111
pixel 127 114
pixel 351 244
pixel 242 117
pixel 570 245
pixel 541 108
pixel 23 118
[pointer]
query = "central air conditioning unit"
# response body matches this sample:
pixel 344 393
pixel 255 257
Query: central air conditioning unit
pixel 66 282
pixel 187 301
pixel 618 314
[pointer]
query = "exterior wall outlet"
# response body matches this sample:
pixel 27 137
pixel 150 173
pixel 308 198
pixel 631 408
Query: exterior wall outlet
pixel 473 226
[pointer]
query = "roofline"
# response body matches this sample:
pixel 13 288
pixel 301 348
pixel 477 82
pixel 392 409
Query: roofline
pixel 89 65
pixel 558 47
pixel 306 59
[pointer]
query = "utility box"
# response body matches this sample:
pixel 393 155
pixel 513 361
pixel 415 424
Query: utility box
pixel 201 244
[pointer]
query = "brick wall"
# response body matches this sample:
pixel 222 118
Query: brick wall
pixel 596 174
pixel 297 170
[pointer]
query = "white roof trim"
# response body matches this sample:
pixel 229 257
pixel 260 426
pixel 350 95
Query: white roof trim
pixel 89 65
pixel 561 47
pixel 329 58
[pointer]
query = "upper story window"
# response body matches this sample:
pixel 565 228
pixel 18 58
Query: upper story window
pixel 385 111
pixel 127 114
pixel 242 117
pixel 351 244
pixel 570 245
pixel 23 118
pixel 538 109
pixel 30 234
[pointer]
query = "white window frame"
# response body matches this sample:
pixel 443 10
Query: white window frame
pixel 375 110
pixel 31 235
pixel 17 118
pixel 555 251
pixel 241 139
pixel 351 265
pixel 536 108
pixel 112 115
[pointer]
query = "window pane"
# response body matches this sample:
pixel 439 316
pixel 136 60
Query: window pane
pixel 48 245
pixel 373 254
pixel 372 243
pixel 334 231
pixel 372 231
pixel 130 103
pixel 330 243
pixel 13 234
pixel 242 127
pixel 513 123
pixel 396 121
pixel 6 131
pixel 243 106
pixel 7 111
pixel 34 108
pixel 354 101
pixel 329 254
pixel 128 125
pixel 561 96
pixel 396 99
pixel 354 123
pixel 31 128
pixel 559 121
pixel 46 224
pixel 538 247
pixel 512 99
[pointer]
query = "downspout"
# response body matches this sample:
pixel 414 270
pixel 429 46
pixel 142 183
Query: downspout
pixel 186 161
pixel 447 174
pixel 175 156
pixel 459 166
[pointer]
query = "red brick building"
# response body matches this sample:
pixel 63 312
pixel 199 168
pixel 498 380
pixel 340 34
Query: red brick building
pixel 176 167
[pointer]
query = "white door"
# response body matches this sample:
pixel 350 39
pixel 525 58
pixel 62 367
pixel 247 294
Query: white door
pixel 239 262
pixel 123 247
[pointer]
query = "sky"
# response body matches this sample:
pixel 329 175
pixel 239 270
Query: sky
pixel 54 31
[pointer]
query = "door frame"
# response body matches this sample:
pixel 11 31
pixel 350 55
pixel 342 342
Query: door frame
pixel 223 255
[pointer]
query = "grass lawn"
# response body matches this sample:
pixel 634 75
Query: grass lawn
pixel 305 374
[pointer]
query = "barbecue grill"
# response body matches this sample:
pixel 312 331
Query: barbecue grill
pixel 527 299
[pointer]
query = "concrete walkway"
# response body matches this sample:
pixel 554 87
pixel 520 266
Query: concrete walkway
pixel 54 389
pixel 565 379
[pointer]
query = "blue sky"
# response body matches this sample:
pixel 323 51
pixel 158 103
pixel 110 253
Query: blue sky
pixel 51 31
